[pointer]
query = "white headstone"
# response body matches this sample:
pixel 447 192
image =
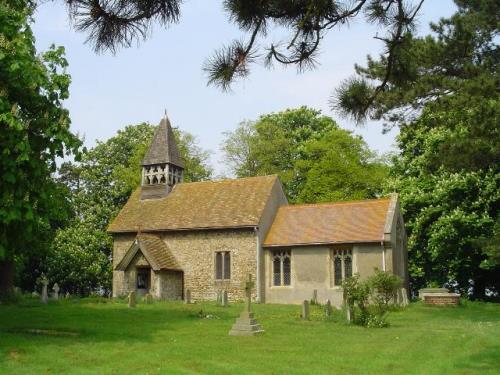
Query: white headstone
pixel 56 289
pixel 44 296
pixel 305 310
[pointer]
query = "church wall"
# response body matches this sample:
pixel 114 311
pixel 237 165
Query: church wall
pixel 169 285
pixel 121 244
pixel 276 199
pixel 195 253
pixel 312 269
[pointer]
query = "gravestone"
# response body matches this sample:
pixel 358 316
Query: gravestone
pixel 219 298
pixel 67 295
pixel 131 299
pixel 148 299
pixel 246 324
pixel 44 296
pixel 56 289
pixel 404 294
pixel 224 301
pixel 328 308
pixel 305 310
pixel 187 297
pixel 314 300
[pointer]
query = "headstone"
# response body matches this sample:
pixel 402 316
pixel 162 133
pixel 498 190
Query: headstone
pixel 56 289
pixel 35 294
pixel 305 310
pixel 328 308
pixel 187 297
pixel 131 299
pixel 148 299
pixel 224 299
pixel 314 300
pixel 45 296
pixel 404 294
pixel 67 295
pixel 219 298
pixel 246 324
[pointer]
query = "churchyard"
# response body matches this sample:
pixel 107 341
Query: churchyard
pixel 104 336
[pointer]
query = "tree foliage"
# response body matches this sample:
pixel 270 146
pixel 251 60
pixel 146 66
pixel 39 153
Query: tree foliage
pixel 460 57
pixel 315 159
pixel 35 131
pixel 101 184
pixel 118 23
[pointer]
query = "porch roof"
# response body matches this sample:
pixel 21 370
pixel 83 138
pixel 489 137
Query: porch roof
pixel 154 249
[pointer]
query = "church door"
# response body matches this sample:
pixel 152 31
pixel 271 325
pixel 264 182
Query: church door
pixel 143 280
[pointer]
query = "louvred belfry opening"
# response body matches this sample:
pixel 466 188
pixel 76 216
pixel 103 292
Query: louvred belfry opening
pixel 162 167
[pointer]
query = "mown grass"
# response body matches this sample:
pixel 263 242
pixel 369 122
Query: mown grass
pixel 88 337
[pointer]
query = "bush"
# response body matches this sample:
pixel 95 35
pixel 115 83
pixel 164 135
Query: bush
pixel 384 287
pixel 381 289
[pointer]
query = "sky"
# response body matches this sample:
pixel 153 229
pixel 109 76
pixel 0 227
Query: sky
pixel 164 72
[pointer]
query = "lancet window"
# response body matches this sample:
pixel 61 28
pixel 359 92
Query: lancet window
pixel 342 265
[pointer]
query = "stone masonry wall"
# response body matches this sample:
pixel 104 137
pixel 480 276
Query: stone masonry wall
pixel 195 253
pixel 121 244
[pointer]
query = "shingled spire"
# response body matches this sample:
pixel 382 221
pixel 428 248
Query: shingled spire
pixel 163 148
pixel 162 167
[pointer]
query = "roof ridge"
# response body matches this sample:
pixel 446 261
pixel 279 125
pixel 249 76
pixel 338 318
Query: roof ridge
pixel 227 180
pixel 290 206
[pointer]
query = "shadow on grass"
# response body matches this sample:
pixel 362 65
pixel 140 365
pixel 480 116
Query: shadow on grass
pixel 111 321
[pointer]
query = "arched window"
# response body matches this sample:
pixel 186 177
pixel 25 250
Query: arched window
pixel 342 265
pixel 282 268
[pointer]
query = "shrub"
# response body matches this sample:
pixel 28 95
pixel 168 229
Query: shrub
pixel 384 287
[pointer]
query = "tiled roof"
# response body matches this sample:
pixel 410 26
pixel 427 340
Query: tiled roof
pixel 198 205
pixel 329 223
pixel 154 249
pixel 163 148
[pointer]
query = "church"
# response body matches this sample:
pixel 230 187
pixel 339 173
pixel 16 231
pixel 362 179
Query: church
pixel 206 237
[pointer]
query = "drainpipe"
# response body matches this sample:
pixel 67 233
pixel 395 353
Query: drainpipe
pixel 257 274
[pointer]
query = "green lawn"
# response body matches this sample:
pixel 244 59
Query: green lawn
pixel 86 337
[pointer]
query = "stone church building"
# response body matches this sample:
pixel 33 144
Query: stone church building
pixel 208 236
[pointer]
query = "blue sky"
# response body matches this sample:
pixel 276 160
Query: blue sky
pixel 165 72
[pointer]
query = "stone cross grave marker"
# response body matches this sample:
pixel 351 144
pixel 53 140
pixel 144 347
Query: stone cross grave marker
pixel 328 308
pixel 246 324
pixel 56 289
pixel 305 310
pixel 248 292
pixel 131 299
pixel 45 296
pixel 224 302
pixel 187 297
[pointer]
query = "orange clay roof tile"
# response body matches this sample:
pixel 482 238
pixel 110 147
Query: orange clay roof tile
pixel 329 223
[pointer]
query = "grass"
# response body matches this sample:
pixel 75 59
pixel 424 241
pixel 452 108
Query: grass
pixel 88 337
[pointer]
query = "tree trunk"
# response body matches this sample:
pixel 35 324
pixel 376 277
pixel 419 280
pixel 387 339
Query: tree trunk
pixel 6 276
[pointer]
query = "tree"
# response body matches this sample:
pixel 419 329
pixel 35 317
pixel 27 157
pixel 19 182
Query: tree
pixel 35 131
pixel 315 159
pixel 461 56
pixel 443 95
pixel 113 24
pixel 101 184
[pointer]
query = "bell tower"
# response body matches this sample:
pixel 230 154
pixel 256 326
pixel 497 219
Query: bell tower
pixel 162 167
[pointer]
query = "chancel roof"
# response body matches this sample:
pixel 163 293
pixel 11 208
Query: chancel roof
pixel 163 148
pixel 329 223
pixel 198 205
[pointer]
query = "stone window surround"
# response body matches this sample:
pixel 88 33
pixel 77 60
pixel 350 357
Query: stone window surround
pixel 223 271
pixel 343 252
pixel 272 255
